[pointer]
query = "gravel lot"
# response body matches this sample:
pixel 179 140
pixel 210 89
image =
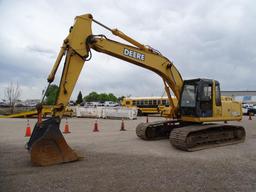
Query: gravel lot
pixel 119 161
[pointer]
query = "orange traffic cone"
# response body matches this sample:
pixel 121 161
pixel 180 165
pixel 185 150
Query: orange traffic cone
pixel 95 129
pixel 147 120
pixel 122 126
pixel 250 116
pixel 28 130
pixel 66 127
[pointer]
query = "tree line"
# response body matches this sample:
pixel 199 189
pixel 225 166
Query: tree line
pixel 52 93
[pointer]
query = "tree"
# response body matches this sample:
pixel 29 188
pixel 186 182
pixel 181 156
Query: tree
pixel 51 94
pixel 79 99
pixel 12 94
pixel 112 97
pixel 93 96
pixel 103 97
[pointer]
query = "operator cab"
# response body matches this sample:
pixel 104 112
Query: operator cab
pixel 197 97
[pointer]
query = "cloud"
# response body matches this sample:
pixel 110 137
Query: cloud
pixel 204 39
pixel 40 50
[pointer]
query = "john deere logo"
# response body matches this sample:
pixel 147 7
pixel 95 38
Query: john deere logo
pixel 134 54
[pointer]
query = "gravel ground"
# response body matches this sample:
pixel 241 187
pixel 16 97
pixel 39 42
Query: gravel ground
pixel 119 161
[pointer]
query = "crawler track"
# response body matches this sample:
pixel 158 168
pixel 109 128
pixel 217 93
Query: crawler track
pixel 193 138
pixel 156 130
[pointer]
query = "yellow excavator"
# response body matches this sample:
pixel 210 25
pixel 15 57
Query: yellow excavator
pixel 191 126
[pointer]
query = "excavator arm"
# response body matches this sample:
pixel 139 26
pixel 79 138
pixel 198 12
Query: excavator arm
pixel 77 49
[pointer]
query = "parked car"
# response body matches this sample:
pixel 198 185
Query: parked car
pixel 93 104
pixel 245 110
pixel 71 103
pixel 251 110
pixel 110 104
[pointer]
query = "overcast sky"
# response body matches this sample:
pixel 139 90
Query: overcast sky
pixel 210 39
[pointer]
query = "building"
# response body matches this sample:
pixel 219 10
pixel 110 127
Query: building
pixel 243 96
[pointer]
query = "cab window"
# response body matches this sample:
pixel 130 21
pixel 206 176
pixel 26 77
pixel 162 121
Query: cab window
pixel 188 98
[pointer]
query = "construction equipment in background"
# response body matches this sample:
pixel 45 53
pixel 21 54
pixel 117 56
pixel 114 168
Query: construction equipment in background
pixel 199 100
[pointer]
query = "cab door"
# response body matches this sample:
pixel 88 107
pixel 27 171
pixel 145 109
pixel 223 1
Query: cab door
pixel 205 99
pixel 217 105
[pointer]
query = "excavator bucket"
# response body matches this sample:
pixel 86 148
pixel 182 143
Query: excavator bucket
pixel 48 146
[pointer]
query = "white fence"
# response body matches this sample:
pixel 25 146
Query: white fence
pixel 106 112
pixel 88 112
